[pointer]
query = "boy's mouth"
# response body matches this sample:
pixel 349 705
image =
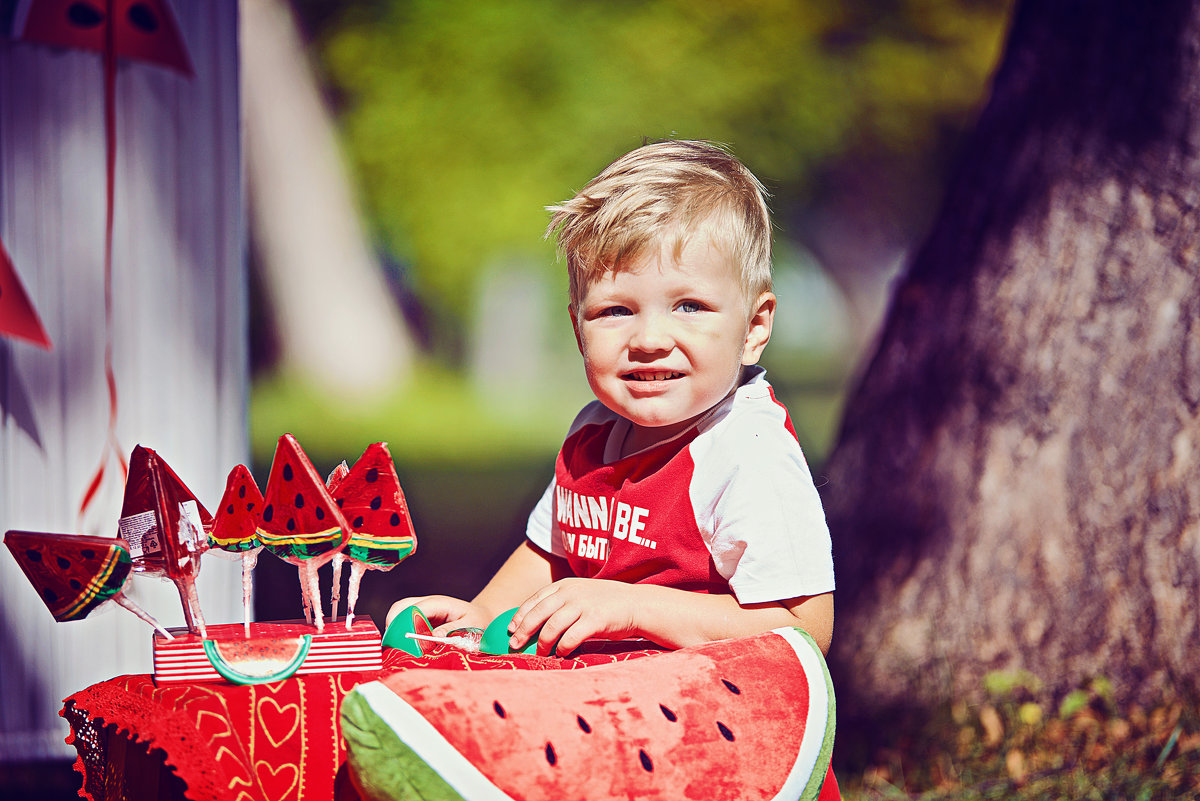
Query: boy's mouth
pixel 652 375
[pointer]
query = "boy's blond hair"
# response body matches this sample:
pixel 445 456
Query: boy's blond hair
pixel 660 195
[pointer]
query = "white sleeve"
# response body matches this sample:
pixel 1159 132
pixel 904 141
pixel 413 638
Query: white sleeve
pixel 759 512
pixel 542 528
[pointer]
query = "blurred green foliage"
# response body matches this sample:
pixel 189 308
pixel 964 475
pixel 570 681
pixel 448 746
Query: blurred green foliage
pixel 464 120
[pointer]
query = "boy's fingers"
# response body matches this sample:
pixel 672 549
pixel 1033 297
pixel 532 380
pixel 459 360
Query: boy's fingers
pixel 553 629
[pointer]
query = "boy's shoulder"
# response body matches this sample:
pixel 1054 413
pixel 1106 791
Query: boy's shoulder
pixel 750 423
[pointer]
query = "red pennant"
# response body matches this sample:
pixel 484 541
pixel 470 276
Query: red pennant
pixel 17 316
pixel 146 30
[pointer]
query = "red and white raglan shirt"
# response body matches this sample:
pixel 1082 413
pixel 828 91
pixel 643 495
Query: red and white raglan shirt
pixel 727 505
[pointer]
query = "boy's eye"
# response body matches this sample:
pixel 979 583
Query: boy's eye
pixel 613 311
pixel 690 306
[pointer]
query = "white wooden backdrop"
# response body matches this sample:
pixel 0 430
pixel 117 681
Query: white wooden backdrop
pixel 180 333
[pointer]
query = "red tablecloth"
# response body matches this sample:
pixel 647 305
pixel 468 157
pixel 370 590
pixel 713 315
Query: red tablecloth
pixel 266 742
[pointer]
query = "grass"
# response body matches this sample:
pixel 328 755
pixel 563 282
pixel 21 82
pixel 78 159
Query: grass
pixel 1014 747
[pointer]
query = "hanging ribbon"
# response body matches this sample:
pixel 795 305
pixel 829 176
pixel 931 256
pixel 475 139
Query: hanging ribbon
pixel 110 164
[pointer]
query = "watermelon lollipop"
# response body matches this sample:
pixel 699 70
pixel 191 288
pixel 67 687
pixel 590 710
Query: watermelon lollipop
pixel 74 573
pixel 300 522
pixel 382 532
pixel 165 526
pixel 235 528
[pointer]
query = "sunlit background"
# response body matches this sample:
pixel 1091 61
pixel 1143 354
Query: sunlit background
pixel 452 126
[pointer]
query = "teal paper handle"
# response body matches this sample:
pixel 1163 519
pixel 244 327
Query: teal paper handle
pixel 496 636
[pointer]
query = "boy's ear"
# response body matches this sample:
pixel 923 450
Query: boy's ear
pixel 762 317
pixel 575 326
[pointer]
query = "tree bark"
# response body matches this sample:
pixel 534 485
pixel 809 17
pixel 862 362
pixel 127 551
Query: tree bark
pixel 1016 485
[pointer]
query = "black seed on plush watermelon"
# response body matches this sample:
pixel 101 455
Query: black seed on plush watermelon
pixel 668 714
pixel 372 475
pixel 299 502
pixel 499 709
pixel 319 513
pixel 88 553
pixel 287 472
pixel 729 685
pixel 63 563
pixel 33 556
pixel 268 513
pixel 551 757
pixel 583 724
pixel 647 764
pixel 725 732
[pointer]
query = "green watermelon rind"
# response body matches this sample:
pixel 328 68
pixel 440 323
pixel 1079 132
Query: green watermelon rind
pixel 433 769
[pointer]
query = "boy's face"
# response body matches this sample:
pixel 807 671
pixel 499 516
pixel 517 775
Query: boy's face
pixel 665 341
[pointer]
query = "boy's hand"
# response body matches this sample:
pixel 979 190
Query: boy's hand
pixel 443 613
pixel 572 610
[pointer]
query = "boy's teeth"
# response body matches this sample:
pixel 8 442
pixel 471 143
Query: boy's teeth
pixel 653 376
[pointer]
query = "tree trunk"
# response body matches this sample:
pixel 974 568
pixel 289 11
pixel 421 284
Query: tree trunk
pixel 1016 485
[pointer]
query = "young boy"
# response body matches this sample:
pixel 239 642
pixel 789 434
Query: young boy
pixel 682 509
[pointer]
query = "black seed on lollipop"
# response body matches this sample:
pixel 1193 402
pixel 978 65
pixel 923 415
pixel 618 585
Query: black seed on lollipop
pixel 268 513
pixel 74 584
pixel 84 15
pixel 372 475
pixel 292 524
pixel 63 562
pixel 395 521
pixel 50 595
pixel 142 17
pixel 358 521
pixel 88 553
pixel 376 502
pixel 229 509
pixel 242 491
pixel 320 513
pixel 287 472
pixel 250 506
pixel 341 502
pixel 299 501
pixel 33 556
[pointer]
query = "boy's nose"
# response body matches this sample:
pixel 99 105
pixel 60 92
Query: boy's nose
pixel 652 334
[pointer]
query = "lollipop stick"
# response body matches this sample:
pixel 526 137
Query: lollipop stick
pixel 194 605
pixel 308 618
pixel 336 594
pixel 314 592
pixel 357 569
pixel 249 560
pixel 126 602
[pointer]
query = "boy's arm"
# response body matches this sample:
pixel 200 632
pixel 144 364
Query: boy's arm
pixel 523 573
pixel 570 611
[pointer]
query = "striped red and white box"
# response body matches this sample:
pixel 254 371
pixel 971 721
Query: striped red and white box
pixel 272 652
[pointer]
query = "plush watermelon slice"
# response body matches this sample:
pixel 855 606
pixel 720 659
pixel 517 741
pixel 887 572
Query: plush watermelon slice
pixel 300 522
pixel 741 719
pixel 235 527
pixel 371 499
pixel 72 573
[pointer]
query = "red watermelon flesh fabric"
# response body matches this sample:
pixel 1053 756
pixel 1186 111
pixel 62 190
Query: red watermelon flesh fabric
pixel 155 502
pixel 235 528
pixel 734 720
pixel 372 501
pixel 72 573
pixel 300 521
